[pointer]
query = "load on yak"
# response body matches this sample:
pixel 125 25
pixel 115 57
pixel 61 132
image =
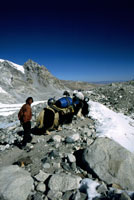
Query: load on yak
pixel 61 111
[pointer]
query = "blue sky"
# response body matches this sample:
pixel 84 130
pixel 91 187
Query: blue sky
pixel 86 41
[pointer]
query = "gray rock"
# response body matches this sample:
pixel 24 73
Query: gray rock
pixel 3 147
pixel 67 195
pixel 54 195
pixel 71 158
pixel 76 196
pixel 72 138
pixel 37 196
pixel 66 166
pixel 124 196
pixel 56 165
pixel 102 189
pixel 46 166
pixel 45 198
pixel 118 96
pixel 73 166
pixel 42 176
pixel 41 187
pixel 83 196
pixel 15 183
pixel 8 137
pixel 56 138
pixel 89 141
pixel 87 131
pixel 54 154
pixel 64 182
pixel 111 162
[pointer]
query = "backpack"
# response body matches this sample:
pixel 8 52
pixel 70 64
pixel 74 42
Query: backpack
pixel 64 102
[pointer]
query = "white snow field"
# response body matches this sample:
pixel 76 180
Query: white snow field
pixel 113 125
pixel 14 65
pixel 9 109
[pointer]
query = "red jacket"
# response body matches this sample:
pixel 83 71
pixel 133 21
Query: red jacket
pixel 25 113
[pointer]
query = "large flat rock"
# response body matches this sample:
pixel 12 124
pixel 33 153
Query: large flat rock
pixel 15 183
pixel 111 162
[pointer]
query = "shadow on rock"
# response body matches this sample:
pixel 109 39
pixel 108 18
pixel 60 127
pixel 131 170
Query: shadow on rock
pixel 82 164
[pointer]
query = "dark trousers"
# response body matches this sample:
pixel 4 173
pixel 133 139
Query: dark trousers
pixel 27 131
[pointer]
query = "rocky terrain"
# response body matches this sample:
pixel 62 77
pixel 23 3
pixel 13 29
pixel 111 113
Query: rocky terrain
pixel 51 167
pixel 117 96
pixel 76 85
pixel 59 166
pixel 17 82
pixel 71 164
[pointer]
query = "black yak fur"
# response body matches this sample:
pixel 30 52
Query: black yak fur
pixel 52 117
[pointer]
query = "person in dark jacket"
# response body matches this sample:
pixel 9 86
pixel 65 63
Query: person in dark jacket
pixel 25 116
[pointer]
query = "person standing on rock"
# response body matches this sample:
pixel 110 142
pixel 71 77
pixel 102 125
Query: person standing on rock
pixel 25 116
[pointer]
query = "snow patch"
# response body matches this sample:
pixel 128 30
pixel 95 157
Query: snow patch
pixel 89 186
pixel 3 91
pixel 6 125
pixel 113 125
pixel 9 109
pixel 1 60
pixel 14 65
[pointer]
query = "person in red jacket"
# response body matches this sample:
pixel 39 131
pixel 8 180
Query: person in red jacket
pixel 25 116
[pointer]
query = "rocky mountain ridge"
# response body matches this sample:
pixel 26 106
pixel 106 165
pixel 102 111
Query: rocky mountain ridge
pixel 17 82
pixel 76 85
pixel 31 79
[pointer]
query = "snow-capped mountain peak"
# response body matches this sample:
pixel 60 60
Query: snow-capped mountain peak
pixel 18 82
pixel 14 65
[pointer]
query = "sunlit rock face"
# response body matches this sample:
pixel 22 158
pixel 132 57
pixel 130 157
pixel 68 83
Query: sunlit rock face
pixel 18 82
pixel 108 165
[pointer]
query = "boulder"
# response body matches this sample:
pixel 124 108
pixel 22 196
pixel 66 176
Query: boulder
pixel 15 183
pixel 64 182
pixel 54 195
pixel 71 158
pixel 41 187
pixel 57 138
pixel 42 176
pixel 72 138
pixel 111 162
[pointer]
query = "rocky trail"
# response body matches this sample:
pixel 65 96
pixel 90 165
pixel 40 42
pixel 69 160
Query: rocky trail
pixel 52 154
pixel 42 144
pixel 56 165
pixel 71 164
